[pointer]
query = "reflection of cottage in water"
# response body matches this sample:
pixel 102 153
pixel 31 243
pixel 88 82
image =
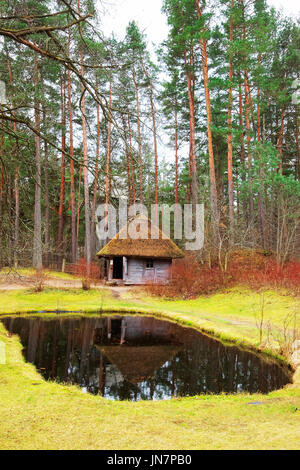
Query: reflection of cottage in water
pixel 142 260
pixel 140 358
pixel 137 348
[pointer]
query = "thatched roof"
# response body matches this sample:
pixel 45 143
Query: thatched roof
pixel 144 247
pixel 139 363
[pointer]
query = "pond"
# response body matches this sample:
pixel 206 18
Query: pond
pixel 141 358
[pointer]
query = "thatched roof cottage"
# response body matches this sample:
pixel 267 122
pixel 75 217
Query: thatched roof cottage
pixel 142 260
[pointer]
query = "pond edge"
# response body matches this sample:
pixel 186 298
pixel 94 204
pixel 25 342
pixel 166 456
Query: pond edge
pixel 224 338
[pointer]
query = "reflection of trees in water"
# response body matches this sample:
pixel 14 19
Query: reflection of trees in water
pixel 69 350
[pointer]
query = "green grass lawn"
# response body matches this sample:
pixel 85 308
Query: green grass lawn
pixel 30 272
pixel 35 414
pixel 230 315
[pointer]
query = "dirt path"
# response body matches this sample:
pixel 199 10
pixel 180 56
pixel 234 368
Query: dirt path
pixel 26 283
pixel 20 282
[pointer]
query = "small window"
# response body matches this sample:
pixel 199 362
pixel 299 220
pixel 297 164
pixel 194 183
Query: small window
pixel 149 264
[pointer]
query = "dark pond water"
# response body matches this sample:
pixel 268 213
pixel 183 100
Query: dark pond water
pixel 141 358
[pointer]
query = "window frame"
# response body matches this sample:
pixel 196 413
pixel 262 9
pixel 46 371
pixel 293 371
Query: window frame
pixel 150 261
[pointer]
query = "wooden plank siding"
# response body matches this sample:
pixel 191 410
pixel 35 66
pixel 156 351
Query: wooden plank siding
pixel 138 273
pixel 135 270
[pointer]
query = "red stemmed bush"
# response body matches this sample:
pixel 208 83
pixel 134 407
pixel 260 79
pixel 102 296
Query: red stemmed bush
pixel 87 276
pixel 273 275
pixel 189 279
pixel 38 280
pixel 254 269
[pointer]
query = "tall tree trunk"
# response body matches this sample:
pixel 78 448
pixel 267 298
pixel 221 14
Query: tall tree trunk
pixel 95 189
pixel 280 138
pixel 37 261
pixel 261 201
pixel 108 152
pixel 230 161
pixel 131 161
pixel 258 124
pixel 237 194
pixel 46 192
pixel 191 93
pixel 248 102
pixel 129 188
pixel 47 214
pixel 154 141
pixel 62 172
pixel 176 156
pixel 17 217
pixel 189 186
pixel 85 167
pixel 213 186
pixel 9 199
pixel 78 202
pixel 86 185
pixel 16 180
pixel 139 136
pixel 72 179
pixel 242 150
pixel 192 155
pixel 247 114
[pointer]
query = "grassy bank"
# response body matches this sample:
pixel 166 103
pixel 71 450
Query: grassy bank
pixel 230 315
pixel 41 415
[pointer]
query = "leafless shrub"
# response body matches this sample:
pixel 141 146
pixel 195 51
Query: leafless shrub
pixel 259 317
pixel 89 274
pixel 286 336
pixel 38 280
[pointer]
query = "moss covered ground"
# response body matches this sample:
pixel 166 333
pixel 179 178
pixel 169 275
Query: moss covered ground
pixel 35 414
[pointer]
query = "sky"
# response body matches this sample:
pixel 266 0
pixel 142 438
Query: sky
pixel 148 15
pixel 116 14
